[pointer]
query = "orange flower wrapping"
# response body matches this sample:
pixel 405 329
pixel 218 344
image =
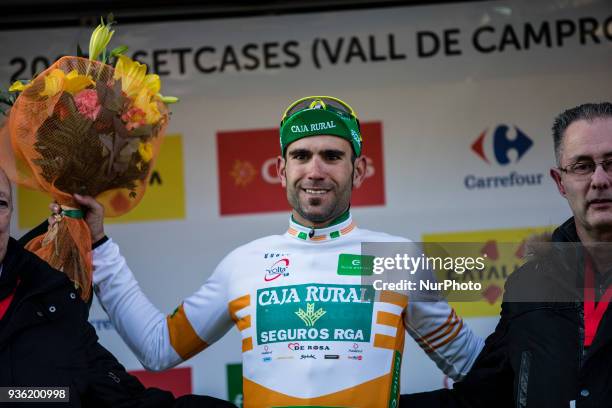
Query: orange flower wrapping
pixel 84 127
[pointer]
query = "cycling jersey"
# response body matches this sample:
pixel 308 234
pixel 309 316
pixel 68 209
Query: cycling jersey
pixel 312 333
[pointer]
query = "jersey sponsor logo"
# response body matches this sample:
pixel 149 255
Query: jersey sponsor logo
pixel 278 269
pixel 353 294
pixel 395 381
pixel 332 357
pixel 310 317
pixel 307 356
pixel 310 347
pixel 355 265
pixel 267 359
pixel 359 357
pixel 314 312
pixel 274 255
pixel 355 349
pixel 266 351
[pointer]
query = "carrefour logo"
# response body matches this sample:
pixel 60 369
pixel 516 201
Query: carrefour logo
pixel 503 146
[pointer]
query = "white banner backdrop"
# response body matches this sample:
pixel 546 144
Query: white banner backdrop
pixel 437 78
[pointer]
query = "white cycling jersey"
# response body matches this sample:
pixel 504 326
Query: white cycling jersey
pixel 312 333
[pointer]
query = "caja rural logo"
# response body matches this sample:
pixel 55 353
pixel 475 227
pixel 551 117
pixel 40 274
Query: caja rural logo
pixel 502 146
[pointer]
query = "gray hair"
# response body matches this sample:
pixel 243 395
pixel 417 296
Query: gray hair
pixel 587 111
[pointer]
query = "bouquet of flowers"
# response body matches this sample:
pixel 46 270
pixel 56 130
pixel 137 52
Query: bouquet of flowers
pixel 90 126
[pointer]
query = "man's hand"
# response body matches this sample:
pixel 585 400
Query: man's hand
pixel 94 216
pixel 93 212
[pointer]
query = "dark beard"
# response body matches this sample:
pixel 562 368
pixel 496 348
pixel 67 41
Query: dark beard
pixel 329 215
pixel 316 218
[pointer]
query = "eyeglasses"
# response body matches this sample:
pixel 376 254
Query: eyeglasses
pixel 586 168
pixel 320 102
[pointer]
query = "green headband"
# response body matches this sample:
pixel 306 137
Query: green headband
pixel 320 121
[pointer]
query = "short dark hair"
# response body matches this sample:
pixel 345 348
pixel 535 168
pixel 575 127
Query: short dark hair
pixel 587 111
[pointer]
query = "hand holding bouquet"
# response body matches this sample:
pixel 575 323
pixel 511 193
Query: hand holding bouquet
pixel 89 128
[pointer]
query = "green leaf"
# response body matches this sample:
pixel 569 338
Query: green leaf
pixel 107 142
pixel 80 52
pixel 6 99
pixel 111 99
pixel 122 49
pixel 169 99
pixel 125 155
pixel 143 131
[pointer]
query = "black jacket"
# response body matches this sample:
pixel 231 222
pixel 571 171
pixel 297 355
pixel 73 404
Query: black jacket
pixel 46 341
pixel 536 358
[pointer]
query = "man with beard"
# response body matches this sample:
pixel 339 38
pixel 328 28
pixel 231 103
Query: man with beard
pixel 553 344
pixel 312 334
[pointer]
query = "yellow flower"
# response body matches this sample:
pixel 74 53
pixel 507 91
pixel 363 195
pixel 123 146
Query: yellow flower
pixel 57 81
pixel 152 83
pixel 19 86
pixel 75 83
pixel 148 104
pixel 99 40
pixel 146 151
pixel 132 75
pixel 152 113
pixel 54 83
pixel 140 87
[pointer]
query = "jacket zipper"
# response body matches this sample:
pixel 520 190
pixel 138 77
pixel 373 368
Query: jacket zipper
pixel 523 385
pixel 581 349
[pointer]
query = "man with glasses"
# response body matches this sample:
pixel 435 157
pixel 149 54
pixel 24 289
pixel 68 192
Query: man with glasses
pixel 553 344
pixel 312 334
